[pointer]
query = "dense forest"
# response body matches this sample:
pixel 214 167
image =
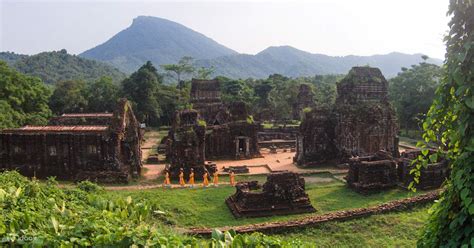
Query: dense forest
pixel 55 66
pixel 156 96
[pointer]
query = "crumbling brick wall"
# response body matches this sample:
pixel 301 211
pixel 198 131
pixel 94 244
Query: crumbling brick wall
pixel 361 122
pixel 97 153
pixel 235 137
pixel 82 119
pixel 431 176
pixel 372 173
pixel 206 99
pixel 365 120
pixel 186 144
pixel 315 142
pixel 283 193
pixel 305 100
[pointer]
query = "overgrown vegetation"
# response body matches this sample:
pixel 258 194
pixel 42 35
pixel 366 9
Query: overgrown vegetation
pixel 412 92
pixel 57 66
pixel 37 214
pixel 450 124
pixel 23 99
pixel 206 207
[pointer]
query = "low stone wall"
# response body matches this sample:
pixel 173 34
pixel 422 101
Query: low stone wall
pixel 343 215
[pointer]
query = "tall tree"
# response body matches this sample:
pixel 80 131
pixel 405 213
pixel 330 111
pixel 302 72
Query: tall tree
pixel 183 67
pixel 142 89
pixel 69 97
pixel 24 99
pixel 204 72
pixel 412 92
pixel 102 95
pixel 450 123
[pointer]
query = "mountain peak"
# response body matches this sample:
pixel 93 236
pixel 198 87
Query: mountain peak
pixel 155 39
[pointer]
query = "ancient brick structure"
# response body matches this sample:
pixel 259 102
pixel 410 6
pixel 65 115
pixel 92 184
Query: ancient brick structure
pixel 206 99
pixel 305 99
pixel 431 176
pixel 85 119
pixel 283 193
pixel 365 120
pixel 362 121
pixel 106 153
pixel 186 144
pixel 235 138
pixel 372 173
pixel 316 140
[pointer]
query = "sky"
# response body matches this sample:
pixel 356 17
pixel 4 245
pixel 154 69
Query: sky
pixel 336 27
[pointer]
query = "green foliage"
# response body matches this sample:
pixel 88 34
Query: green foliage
pixel 236 90
pixel 450 124
pixel 11 58
pixel 399 229
pixel 204 73
pixel 24 99
pixel 202 123
pixel 69 97
pixel 206 207
pixel 89 186
pixel 43 215
pixel 412 92
pixel 102 95
pixel 34 214
pixel 183 67
pixel 56 66
pixel 250 119
pixel 142 89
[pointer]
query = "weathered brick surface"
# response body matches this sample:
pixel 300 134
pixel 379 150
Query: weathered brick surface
pixel 283 193
pixel 109 153
pixel 361 122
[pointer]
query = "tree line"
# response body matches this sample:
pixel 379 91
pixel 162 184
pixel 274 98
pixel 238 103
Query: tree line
pixel 155 99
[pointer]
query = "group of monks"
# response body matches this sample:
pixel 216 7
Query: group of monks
pixel 191 183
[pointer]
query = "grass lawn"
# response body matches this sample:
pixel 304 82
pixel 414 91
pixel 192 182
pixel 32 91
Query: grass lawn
pixel 206 207
pixel 399 229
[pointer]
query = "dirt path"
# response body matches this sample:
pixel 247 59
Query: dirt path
pixel 152 171
pixel 269 227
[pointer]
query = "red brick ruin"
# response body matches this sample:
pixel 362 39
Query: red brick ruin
pixel 305 100
pixel 360 130
pixel 283 193
pixel 372 173
pixel 361 122
pixel 212 130
pixel 431 176
pixel 101 147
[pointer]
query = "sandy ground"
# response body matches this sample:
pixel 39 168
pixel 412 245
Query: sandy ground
pixel 152 171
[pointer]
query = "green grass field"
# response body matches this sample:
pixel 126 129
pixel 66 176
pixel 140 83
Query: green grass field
pixel 399 229
pixel 206 207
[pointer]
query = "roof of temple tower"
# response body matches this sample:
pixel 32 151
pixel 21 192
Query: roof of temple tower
pixel 205 90
pixel 362 84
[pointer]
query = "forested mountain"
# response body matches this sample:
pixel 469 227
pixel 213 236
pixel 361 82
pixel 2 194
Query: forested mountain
pixel 56 66
pixel 157 40
pixel 292 62
pixel 11 58
pixel 164 42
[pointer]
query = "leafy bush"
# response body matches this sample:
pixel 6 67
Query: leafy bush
pixel 89 186
pixel 35 214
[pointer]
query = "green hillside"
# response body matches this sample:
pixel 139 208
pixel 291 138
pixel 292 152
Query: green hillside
pixel 56 66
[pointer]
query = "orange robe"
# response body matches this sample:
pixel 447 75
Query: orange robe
pixel 167 179
pixel 205 181
pixel 232 178
pixel 216 179
pixel 181 179
pixel 191 179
